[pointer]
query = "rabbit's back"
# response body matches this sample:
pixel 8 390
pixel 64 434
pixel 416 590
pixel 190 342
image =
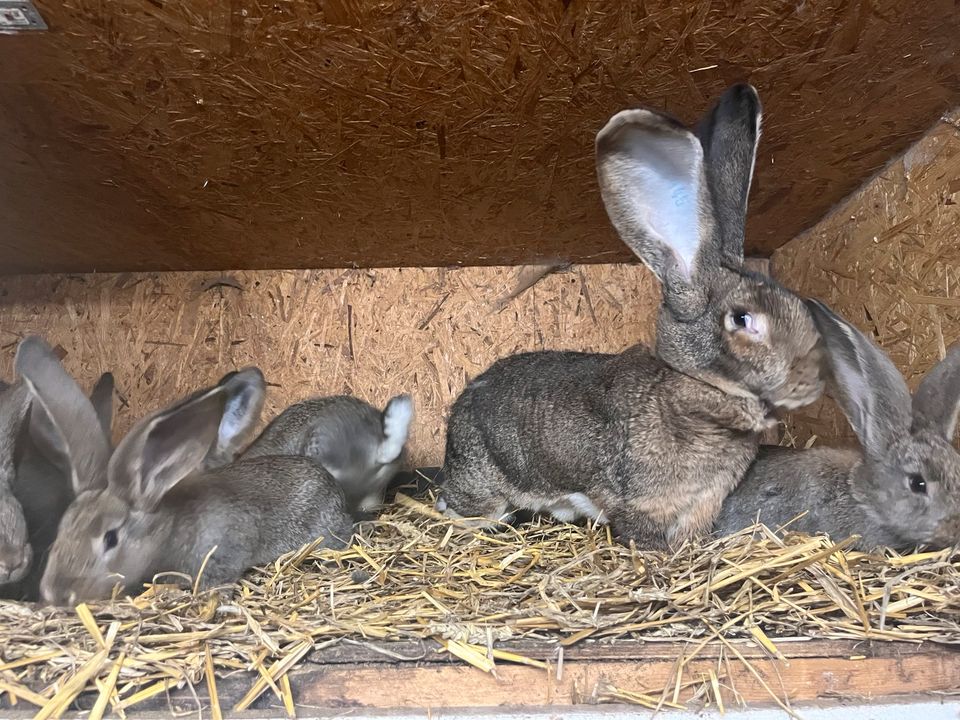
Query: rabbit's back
pixel 537 415
pixel 784 483
pixel 338 431
pixel 342 433
pixel 255 510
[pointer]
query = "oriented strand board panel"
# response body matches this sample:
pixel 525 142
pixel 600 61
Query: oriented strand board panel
pixel 210 134
pixel 888 259
pixel 372 333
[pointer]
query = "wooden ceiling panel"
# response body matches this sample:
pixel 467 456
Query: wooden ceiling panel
pixel 206 134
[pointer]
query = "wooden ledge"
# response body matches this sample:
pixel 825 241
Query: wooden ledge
pixel 404 676
pixel 810 670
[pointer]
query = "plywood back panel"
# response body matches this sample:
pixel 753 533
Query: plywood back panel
pixel 372 333
pixel 210 134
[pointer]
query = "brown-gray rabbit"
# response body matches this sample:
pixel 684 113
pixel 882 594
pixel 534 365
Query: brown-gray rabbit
pixel 155 507
pixel 41 484
pixel 362 447
pixel 901 490
pixel 651 441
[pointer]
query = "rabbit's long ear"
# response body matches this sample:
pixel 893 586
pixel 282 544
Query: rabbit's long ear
pixel 937 399
pixel 652 181
pixel 729 134
pixel 871 390
pixel 101 397
pixel 245 392
pixel 14 401
pixel 166 447
pixel 63 421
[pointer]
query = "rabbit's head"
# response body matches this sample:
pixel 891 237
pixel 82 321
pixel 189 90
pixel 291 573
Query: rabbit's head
pixel 15 551
pixel 909 481
pixel 116 530
pixel 678 199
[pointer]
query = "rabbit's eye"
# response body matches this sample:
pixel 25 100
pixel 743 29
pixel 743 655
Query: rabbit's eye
pixel 110 539
pixel 741 320
pixel 918 484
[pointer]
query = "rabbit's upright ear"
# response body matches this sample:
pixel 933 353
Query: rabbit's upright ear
pixel 101 397
pixel 871 390
pixel 63 422
pixel 937 399
pixel 729 134
pixel 245 391
pixel 14 401
pixel 650 170
pixel 166 447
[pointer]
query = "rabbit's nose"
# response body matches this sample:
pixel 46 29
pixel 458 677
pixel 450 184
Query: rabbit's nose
pixel 52 595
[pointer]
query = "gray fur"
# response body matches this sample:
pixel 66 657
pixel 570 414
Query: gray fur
pixel 101 398
pixel 71 428
pixel 16 553
pixel 867 493
pixel 348 437
pixel 651 441
pixel 729 137
pixel 169 511
pixel 242 409
pixel 249 521
pixel 42 482
pixel 935 402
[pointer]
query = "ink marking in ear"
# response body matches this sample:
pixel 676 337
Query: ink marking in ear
pixel 680 196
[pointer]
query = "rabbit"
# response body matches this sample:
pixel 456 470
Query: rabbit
pixel 362 447
pixel 41 484
pixel 155 507
pixel 650 441
pixel 16 553
pixel 902 489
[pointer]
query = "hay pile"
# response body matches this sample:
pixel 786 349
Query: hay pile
pixel 414 575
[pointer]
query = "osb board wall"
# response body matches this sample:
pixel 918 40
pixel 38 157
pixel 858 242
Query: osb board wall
pixel 372 333
pixel 210 134
pixel 888 259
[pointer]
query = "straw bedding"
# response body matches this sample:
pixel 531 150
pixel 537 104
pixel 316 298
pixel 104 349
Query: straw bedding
pixel 412 574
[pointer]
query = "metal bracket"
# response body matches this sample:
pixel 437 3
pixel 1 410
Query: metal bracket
pixel 18 16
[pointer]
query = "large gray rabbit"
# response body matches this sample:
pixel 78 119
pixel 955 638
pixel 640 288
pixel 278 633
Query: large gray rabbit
pixel 651 441
pixel 362 447
pixel 156 506
pixel 900 490
pixel 33 458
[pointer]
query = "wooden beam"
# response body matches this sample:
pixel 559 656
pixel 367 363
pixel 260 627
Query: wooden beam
pixel 802 679
pixel 404 676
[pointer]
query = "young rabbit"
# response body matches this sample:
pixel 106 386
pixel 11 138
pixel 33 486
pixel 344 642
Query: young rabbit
pixel 651 441
pixel 41 483
pixel 16 553
pixel 901 490
pixel 155 508
pixel 362 447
